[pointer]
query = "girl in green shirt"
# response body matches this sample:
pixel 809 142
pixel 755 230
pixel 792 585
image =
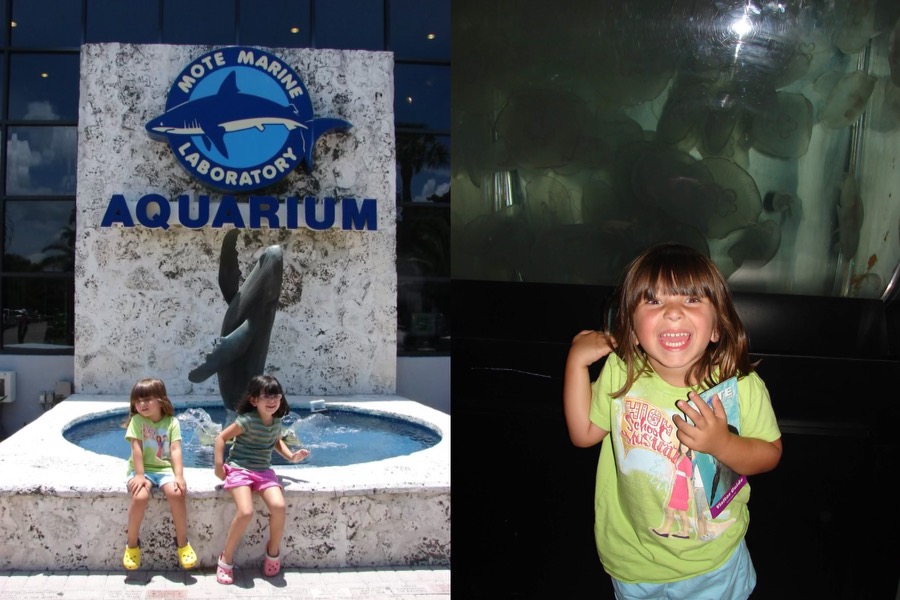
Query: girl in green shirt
pixel 675 332
pixel 155 437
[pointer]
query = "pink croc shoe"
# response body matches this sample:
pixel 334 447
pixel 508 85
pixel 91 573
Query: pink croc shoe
pixel 224 572
pixel 271 566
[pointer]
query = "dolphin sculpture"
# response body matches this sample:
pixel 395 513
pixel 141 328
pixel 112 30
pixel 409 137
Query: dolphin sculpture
pixel 240 352
pixel 229 110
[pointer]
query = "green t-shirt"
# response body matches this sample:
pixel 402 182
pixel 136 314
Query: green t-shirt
pixel 635 478
pixel 252 449
pixel 156 439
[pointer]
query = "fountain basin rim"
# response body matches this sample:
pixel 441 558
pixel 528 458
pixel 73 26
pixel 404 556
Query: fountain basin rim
pixel 38 457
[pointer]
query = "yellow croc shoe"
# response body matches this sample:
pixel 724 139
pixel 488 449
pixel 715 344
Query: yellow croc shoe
pixel 186 556
pixel 132 558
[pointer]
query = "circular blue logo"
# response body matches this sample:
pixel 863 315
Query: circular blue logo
pixel 240 119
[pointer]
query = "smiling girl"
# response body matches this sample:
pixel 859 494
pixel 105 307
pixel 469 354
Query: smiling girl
pixel 675 332
pixel 256 433
pixel 155 437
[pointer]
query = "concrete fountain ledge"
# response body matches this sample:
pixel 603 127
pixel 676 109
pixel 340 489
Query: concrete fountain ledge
pixel 63 507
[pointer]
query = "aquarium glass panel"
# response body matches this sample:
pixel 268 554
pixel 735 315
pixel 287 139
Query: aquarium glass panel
pixel 766 135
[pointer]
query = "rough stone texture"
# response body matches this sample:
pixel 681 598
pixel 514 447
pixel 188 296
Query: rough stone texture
pixel 66 508
pixel 147 301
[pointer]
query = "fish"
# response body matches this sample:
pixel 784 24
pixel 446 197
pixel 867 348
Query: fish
pixel 239 354
pixel 757 244
pixel 847 100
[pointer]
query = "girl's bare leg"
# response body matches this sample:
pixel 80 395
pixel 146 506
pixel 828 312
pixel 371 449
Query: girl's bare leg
pixel 178 507
pixel 274 499
pixel 243 500
pixel 136 510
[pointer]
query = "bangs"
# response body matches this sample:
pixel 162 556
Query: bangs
pixel 676 275
pixel 147 389
pixel 270 388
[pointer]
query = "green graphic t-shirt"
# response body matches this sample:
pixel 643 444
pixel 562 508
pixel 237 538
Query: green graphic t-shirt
pixel 642 474
pixel 156 439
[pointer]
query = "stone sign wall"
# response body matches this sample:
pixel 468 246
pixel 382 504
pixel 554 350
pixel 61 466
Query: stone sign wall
pixel 148 300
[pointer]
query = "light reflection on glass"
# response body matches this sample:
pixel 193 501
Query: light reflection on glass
pixel 41 161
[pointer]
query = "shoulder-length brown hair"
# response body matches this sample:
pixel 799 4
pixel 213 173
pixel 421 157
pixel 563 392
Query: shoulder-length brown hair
pixel 259 385
pixel 679 270
pixel 150 387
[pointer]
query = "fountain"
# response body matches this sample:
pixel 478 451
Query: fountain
pixel 66 507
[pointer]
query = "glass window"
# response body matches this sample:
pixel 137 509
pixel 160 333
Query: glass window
pixel 46 24
pixel 41 161
pixel 2 95
pixel 350 24
pixel 40 236
pixel 423 315
pixel 38 313
pixel 422 97
pixel 423 167
pixel 423 241
pixel 198 21
pixel 43 87
pixel 420 29
pixel 275 23
pixel 126 21
pixel 3 30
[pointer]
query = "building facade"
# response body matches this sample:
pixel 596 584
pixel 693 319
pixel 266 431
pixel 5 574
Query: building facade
pixel 42 46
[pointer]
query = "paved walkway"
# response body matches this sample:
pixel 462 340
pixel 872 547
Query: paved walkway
pixel 393 583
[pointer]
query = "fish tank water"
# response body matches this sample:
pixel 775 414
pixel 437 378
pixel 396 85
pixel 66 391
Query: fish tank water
pixel 765 134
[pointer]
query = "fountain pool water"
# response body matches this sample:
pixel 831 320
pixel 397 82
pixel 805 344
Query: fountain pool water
pixel 334 437
pixel 66 507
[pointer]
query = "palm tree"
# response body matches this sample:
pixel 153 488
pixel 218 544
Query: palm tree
pixel 65 246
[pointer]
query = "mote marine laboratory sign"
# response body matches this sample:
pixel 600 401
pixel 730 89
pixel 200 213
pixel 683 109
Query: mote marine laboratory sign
pixel 239 119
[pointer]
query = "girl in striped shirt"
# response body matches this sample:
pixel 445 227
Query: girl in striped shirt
pixel 256 433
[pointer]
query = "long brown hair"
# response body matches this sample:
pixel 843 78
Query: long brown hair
pixel 679 270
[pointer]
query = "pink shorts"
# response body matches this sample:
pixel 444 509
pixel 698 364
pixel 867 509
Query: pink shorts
pixel 257 480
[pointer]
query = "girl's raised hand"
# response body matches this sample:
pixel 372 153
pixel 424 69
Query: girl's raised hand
pixel 299 455
pixel 589 346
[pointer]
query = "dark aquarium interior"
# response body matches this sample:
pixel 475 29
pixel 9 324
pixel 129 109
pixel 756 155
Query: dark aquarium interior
pixel 764 134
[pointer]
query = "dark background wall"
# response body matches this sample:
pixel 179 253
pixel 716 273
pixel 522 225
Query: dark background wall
pixel 823 524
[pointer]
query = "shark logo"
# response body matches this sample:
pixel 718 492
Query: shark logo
pixel 239 119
